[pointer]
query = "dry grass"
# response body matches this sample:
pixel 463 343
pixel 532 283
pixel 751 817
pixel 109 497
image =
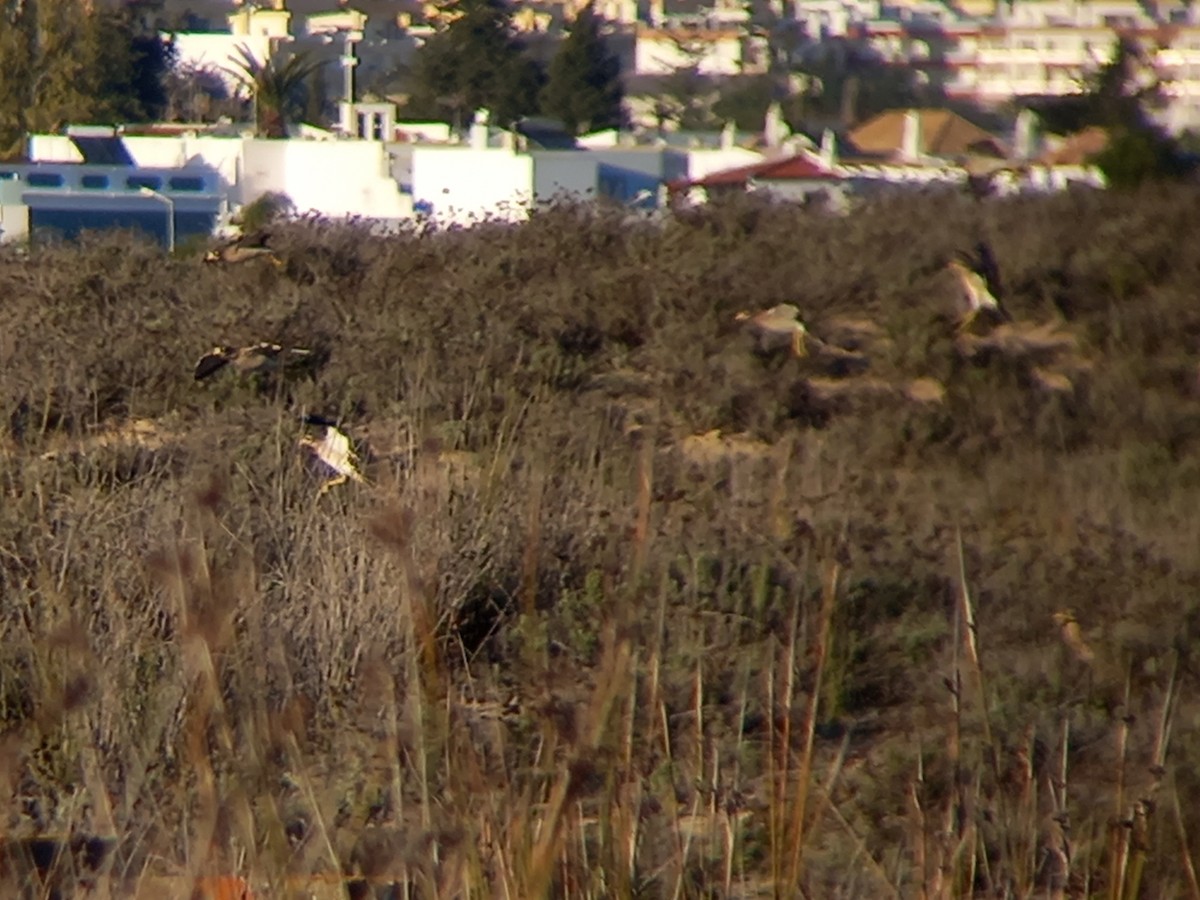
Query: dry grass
pixel 626 608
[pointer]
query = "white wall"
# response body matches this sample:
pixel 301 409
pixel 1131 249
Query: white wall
pixel 221 153
pixel 703 161
pixel 53 148
pixel 719 53
pixel 559 172
pixel 159 152
pixel 459 184
pixel 333 178
pixel 14 215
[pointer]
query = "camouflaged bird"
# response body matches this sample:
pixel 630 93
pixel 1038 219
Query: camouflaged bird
pixel 243 249
pixel 979 282
pixel 777 327
pixel 334 452
pixel 261 358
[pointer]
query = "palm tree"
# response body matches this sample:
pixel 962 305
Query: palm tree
pixel 276 87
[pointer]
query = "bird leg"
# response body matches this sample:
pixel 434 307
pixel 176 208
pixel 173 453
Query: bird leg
pixel 799 347
pixel 331 483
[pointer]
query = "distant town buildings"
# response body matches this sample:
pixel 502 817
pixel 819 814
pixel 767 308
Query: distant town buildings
pixel 374 166
pixel 984 51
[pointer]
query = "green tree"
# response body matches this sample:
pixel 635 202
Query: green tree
pixel 584 87
pixel 63 62
pixel 848 86
pixel 744 101
pixel 276 88
pixel 1120 97
pixel 475 62
pixel 316 99
pixel 18 38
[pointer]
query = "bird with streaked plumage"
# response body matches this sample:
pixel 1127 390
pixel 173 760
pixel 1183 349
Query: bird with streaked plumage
pixel 243 249
pixel 261 358
pixel 334 452
pixel 979 282
pixel 777 327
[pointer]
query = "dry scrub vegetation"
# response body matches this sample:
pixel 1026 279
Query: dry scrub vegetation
pixel 626 609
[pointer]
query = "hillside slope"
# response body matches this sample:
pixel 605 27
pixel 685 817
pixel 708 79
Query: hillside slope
pixel 625 607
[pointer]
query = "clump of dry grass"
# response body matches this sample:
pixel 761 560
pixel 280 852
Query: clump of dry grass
pixel 627 608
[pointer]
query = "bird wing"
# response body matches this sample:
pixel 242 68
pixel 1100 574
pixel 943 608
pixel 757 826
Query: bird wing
pixel 241 254
pixel 209 363
pixel 989 269
pixel 784 311
pixel 335 451
pixel 259 239
pixel 975 290
pixel 318 419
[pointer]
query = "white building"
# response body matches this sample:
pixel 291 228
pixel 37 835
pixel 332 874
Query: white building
pixel 259 32
pixel 712 51
pixel 1042 48
pixel 201 178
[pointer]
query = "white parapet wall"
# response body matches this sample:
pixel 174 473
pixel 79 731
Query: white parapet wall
pixel 331 178
pixel 14 214
pixel 461 185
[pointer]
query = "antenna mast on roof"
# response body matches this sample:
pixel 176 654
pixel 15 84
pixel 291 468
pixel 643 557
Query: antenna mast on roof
pixel 348 61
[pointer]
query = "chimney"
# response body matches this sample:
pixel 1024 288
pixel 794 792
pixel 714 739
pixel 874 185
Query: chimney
pixel 828 148
pixel 479 130
pixel 729 136
pixel 910 142
pixel 774 128
pixel 1023 137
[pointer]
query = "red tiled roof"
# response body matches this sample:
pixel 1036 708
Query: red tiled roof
pixel 943 133
pixel 800 167
pixel 1076 149
pixel 159 129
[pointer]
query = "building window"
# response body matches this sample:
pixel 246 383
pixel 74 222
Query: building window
pixel 44 179
pixel 94 182
pixel 186 183
pixel 136 182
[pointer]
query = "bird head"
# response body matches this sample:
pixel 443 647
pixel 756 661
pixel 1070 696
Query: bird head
pixel 958 265
pixel 741 316
pixel 212 256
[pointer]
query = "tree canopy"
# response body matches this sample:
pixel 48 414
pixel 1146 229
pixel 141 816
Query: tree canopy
pixel 475 62
pixel 65 61
pixel 1121 97
pixel 277 88
pixel 584 86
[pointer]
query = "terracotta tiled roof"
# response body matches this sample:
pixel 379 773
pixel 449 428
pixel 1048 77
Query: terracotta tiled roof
pixel 800 167
pixel 943 133
pixel 1076 149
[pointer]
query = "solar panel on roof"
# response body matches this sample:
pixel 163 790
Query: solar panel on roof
pixel 103 151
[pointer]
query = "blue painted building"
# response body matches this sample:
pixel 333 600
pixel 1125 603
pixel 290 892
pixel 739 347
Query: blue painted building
pixel 108 191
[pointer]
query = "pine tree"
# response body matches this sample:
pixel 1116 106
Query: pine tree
pixel 1119 97
pixel 18 36
pixel 584 88
pixel 64 62
pixel 475 62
